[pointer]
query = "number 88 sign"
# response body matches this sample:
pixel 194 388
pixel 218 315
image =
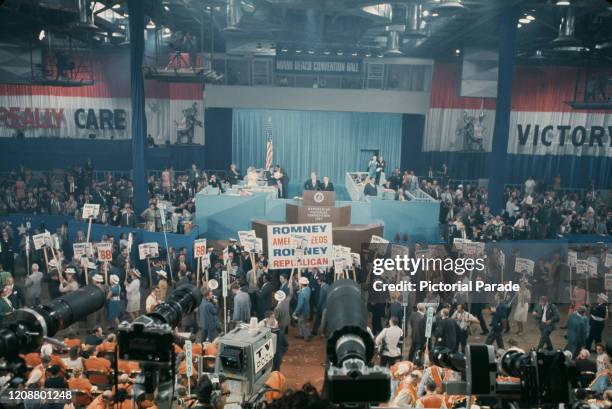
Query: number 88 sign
pixel 199 248
pixel 105 251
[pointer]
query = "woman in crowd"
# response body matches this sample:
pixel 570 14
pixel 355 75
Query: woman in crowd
pixel 114 301
pixel 133 294
pixel 522 306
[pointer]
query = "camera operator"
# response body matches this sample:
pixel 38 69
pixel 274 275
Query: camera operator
pixel 210 395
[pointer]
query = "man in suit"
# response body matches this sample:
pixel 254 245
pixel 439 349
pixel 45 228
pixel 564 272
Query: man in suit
pixel 446 331
pixel 370 188
pixel 326 185
pixel 128 218
pixel 302 311
pixel 499 315
pixel 209 317
pixel 242 304
pixel 417 323
pixel 281 311
pixel 264 297
pixel 577 330
pixel 312 183
pixel 547 315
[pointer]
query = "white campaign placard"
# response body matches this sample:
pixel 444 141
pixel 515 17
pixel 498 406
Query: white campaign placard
pixel 82 250
pixel 458 243
pixel 572 256
pixel 105 251
pixel 148 250
pixel 188 358
pixel 39 240
pixel 473 249
pixel 339 263
pixel 524 265
pixel 224 283
pixel 592 268
pixel 199 248
pixel 263 355
pixel 258 245
pixel 356 259
pixel 246 236
pixel 317 251
pixel 582 267
pixel 91 210
pixel 429 322
pixel 378 244
pixel 608 282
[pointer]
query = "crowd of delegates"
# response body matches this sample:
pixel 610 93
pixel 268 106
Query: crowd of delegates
pixel 532 211
pixel 281 299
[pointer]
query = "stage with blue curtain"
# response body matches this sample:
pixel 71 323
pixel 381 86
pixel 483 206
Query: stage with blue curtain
pixel 330 143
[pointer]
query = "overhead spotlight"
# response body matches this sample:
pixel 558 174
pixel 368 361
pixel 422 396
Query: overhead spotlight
pixel 208 8
pixel 530 17
pixel 457 51
pixel 298 51
pixel 340 53
pixel 448 8
pixel 41 35
pixel 166 32
pixel 563 2
pixel 354 54
pixel 524 20
pixel 368 54
pixel 284 50
pixel 326 52
pixel 166 8
pixel 425 13
pixel 519 25
pixel 116 6
pixel 311 52
pixel 150 25
pixel 434 14
pixel 122 26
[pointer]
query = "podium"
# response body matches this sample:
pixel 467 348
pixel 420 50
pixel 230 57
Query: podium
pixel 320 207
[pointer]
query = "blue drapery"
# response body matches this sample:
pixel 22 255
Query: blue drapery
pixel 330 143
pixel 498 157
pixel 139 120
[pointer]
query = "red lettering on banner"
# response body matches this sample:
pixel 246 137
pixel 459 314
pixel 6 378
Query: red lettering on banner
pixel 4 114
pixel 28 118
pixel 319 240
pixel 14 118
pixel 58 117
pixel 281 241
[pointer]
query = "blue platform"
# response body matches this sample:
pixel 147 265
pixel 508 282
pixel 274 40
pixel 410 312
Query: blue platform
pixel 221 216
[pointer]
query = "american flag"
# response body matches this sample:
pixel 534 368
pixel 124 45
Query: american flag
pixel 269 148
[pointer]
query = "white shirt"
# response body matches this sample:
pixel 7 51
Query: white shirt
pixel 391 335
pixel 150 303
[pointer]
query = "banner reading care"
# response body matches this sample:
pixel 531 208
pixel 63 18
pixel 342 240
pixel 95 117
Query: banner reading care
pixel 317 253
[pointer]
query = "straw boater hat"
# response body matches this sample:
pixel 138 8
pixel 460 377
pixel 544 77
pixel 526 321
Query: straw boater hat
pixel 98 278
pixel 70 271
pixel 602 297
pixel 304 281
pixel 114 279
pixel 280 295
pixel 136 272
pixel 213 284
pixel 162 273
pixel 232 240
pixel 91 265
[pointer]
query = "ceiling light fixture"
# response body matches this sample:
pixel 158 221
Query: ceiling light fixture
pixel 41 35
pixel 150 25
pixel 563 3
pixel 425 13
pixel 530 17
pixel 166 8
pixel 311 52
pixel 524 20
pixel 519 25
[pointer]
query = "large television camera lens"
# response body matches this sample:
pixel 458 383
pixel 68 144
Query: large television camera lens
pixel 23 330
pixel 444 357
pixel 512 362
pixel 182 301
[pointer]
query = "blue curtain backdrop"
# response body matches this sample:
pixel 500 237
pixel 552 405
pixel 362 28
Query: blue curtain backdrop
pixel 329 143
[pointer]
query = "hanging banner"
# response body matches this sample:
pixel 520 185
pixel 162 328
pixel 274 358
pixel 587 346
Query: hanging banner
pixel 317 253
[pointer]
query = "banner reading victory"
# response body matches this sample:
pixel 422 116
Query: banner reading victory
pixel 313 249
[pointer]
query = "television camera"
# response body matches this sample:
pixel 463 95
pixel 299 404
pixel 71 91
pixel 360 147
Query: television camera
pixel 350 377
pixel 546 377
pixel 149 339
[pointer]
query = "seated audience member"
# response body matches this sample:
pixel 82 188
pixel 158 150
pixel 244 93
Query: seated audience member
pixel 95 338
pixel 78 381
pixel 370 188
pixel 74 360
pixel 98 364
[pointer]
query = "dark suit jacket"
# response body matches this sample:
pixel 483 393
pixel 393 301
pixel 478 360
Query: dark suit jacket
pixel 552 315
pixel 128 221
pixel 417 323
pixel 370 190
pixel 308 185
pixel 446 333
pixel 328 188
pixel 264 300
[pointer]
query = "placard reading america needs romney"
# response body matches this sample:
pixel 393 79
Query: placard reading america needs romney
pixel 283 252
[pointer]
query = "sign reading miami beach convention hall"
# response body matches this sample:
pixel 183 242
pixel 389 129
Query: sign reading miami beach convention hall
pixel 316 250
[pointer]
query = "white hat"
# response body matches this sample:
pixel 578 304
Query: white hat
pixel 46 350
pixel 232 239
pixel 91 265
pixel 70 270
pixel 162 273
pixel 213 284
pixel 136 273
pixel 304 281
pixel 602 297
pixel 280 295
pixel 53 263
pixel 114 279
pixel 98 278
